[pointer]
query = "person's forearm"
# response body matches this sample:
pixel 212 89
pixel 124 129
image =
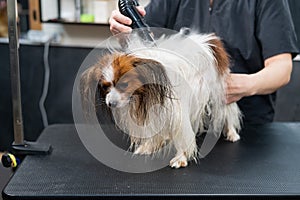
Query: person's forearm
pixel 276 74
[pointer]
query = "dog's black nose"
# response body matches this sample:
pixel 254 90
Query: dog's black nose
pixel 113 104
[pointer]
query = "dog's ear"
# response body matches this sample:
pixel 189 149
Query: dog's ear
pixel 156 87
pixel 154 75
pixel 92 95
pixel 89 79
pixel 220 54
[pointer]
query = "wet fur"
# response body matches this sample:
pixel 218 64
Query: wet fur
pixel 141 80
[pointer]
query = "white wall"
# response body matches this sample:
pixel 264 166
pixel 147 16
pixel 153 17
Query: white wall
pixel 79 35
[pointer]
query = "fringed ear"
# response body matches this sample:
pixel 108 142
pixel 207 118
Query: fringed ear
pixel 92 95
pixel 156 87
pixel 220 54
pixel 154 77
pixel 88 89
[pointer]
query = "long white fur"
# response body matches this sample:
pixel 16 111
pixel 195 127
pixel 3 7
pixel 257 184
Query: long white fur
pixel 199 91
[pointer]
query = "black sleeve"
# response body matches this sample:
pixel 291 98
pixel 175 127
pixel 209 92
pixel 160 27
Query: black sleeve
pixel 275 29
pixel 162 13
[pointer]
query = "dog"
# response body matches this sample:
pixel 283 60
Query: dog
pixel 161 96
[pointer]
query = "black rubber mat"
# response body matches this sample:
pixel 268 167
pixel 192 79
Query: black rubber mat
pixel 264 164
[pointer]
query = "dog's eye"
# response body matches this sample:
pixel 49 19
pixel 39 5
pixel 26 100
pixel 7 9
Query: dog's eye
pixel 123 86
pixel 105 86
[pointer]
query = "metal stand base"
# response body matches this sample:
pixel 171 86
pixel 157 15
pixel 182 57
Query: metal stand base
pixel 20 147
pixel 31 148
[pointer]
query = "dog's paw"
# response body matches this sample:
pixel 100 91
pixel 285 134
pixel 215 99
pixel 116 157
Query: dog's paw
pixel 143 150
pixel 232 135
pixel 179 161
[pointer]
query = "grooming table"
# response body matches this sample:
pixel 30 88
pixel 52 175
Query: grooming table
pixel 264 163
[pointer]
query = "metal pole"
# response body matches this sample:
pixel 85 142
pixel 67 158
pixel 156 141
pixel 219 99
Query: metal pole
pixel 15 71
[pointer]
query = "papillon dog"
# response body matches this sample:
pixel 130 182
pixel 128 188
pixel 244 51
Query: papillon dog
pixel 160 95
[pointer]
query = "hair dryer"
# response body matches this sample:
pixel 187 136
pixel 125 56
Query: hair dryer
pixel 128 8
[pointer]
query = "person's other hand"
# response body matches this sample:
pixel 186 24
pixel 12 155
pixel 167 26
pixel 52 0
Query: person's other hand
pixel 275 74
pixel 238 86
pixel 120 23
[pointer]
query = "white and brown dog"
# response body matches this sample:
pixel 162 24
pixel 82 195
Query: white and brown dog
pixel 160 97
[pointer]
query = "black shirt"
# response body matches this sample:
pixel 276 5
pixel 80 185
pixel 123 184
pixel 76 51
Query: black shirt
pixel 251 30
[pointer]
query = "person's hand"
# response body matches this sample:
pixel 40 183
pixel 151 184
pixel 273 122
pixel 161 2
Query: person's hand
pixel 275 74
pixel 238 86
pixel 120 23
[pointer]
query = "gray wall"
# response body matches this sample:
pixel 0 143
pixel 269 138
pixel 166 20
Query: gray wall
pixel 295 11
pixel 64 63
pixel 288 98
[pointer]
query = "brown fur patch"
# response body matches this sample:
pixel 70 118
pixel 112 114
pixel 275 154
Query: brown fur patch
pixel 147 83
pixel 122 64
pixel 222 58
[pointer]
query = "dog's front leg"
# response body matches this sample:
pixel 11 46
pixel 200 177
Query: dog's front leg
pixel 185 145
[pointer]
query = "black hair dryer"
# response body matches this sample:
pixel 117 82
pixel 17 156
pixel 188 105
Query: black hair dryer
pixel 128 8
